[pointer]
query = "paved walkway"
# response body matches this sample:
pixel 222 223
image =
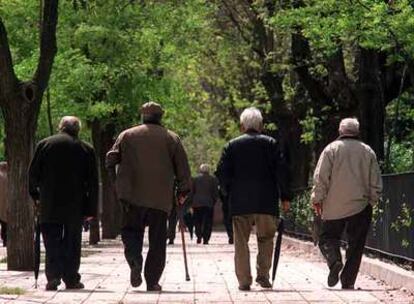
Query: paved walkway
pixel 301 279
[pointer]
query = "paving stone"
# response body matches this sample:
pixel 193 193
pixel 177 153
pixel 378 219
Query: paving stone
pixel 301 278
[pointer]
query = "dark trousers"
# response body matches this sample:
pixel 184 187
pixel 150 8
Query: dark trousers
pixel 356 228
pixel 172 224
pixel 203 221
pixel 189 223
pixel 134 221
pixel 63 251
pixel 4 232
pixel 227 220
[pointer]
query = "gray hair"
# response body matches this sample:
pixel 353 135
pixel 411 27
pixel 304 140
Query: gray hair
pixel 251 118
pixel 204 168
pixel 70 125
pixel 349 126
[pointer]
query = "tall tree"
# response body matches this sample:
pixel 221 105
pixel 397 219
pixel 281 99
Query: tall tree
pixel 20 102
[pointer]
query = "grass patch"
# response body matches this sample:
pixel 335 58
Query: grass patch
pixel 3 260
pixel 12 290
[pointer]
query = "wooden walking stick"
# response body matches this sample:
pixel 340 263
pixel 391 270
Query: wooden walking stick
pixel 182 230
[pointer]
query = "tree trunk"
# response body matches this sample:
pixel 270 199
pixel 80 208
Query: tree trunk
pixel 371 105
pixel 20 103
pixel 103 141
pixel 20 124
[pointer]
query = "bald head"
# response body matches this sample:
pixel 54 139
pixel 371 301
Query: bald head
pixel 70 125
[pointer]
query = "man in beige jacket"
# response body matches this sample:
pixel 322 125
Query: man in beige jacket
pixel 347 182
pixel 150 160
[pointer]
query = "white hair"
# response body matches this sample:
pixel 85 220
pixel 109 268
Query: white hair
pixel 70 125
pixel 251 118
pixel 204 168
pixel 349 126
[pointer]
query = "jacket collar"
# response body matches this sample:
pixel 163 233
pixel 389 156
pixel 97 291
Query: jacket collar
pixel 356 137
pixel 152 123
pixel 251 131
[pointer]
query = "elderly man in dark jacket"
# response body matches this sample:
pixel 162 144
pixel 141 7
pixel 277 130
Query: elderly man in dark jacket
pixel 254 175
pixel 63 175
pixel 149 159
pixel 204 195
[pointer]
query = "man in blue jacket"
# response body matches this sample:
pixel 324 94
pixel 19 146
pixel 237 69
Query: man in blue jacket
pixel 254 175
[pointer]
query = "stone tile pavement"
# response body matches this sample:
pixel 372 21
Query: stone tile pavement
pixel 301 279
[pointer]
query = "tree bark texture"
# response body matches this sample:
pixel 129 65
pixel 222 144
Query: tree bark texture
pixel 20 103
pixel 20 125
pixel 103 135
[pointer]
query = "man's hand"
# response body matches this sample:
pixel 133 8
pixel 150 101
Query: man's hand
pixel 317 207
pixel 89 218
pixel 285 206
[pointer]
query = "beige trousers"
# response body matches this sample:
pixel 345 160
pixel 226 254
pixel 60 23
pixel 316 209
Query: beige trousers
pixel 265 229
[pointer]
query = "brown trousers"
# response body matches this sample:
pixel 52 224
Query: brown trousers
pixel 265 229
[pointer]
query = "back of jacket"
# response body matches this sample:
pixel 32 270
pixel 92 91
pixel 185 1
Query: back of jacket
pixel 149 158
pixel 204 191
pixel 253 174
pixel 64 171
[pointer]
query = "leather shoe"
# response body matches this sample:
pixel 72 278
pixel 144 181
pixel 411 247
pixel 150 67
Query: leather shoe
pixel 52 285
pixel 135 277
pixel 348 287
pixel 333 276
pixel 244 287
pixel 155 287
pixel 78 285
pixel 263 282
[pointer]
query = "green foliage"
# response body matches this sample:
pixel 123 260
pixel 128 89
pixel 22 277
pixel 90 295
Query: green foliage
pixel 5 290
pixel 301 212
pixel 404 221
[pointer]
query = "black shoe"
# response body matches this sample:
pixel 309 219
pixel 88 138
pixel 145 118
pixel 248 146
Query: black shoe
pixel 171 242
pixel 135 277
pixel 348 287
pixel 205 242
pixel 155 287
pixel 244 287
pixel 231 241
pixel 198 240
pixel 52 285
pixel 263 282
pixel 333 276
pixel 78 285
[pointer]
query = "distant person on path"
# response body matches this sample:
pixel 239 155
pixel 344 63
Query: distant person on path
pixel 204 195
pixel 63 176
pixel 3 201
pixel 346 183
pixel 254 175
pixel 149 158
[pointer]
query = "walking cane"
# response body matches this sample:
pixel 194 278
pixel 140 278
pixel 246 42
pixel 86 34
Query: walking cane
pixel 182 229
pixel 36 243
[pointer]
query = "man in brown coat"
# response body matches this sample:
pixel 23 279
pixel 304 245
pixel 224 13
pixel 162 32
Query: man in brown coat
pixel 148 158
